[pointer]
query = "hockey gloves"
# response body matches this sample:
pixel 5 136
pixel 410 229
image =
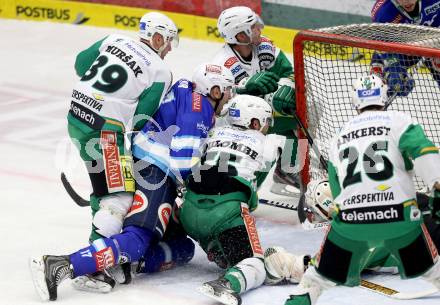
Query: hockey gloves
pixel 283 100
pixel 434 205
pixel 260 83
pixel 398 80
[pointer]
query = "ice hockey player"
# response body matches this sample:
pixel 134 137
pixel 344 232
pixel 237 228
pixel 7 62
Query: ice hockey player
pixel 316 210
pixel 121 78
pixel 394 67
pixel 377 217
pixel 221 193
pixel 260 68
pixel 406 11
pixel 163 152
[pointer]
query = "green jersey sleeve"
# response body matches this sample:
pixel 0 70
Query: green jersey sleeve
pixel 149 101
pixel 282 66
pixel 85 58
pixel 413 142
pixel 261 175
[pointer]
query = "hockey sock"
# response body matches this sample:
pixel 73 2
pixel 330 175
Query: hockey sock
pixel 101 254
pixel 236 278
pixel 105 252
pixel 247 274
pixel 165 255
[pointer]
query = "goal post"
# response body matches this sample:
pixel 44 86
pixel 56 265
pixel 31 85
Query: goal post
pixel 327 61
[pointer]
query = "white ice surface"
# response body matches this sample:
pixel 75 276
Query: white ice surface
pixel 36 76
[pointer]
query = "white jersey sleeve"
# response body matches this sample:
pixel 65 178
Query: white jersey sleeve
pixel 414 144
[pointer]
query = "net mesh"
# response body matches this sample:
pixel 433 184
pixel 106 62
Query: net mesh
pixel 331 68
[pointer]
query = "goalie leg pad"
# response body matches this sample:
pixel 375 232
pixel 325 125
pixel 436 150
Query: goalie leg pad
pixel 108 220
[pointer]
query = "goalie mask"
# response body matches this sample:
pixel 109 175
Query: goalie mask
pixel 368 91
pixel 235 20
pixel 244 108
pixel 319 199
pixel 154 22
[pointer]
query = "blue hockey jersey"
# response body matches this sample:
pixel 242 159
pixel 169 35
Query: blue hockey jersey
pixel 389 11
pixel 172 138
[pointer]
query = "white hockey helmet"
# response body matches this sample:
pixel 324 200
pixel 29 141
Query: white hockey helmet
pixel 244 108
pixel 155 22
pixel 319 198
pixel 235 20
pixel 369 90
pixel 206 76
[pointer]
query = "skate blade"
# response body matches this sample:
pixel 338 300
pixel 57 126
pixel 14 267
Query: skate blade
pixel 85 283
pixel 222 297
pixel 36 266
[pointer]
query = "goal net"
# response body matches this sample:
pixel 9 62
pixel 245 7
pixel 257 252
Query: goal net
pixel 328 60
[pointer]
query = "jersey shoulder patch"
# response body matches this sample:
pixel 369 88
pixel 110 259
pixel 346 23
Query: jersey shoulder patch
pixel 230 62
pixel 196 105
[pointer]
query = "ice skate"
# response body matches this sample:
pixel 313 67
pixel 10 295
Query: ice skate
pixel 48 272
pixel 286 184
pixel 221 291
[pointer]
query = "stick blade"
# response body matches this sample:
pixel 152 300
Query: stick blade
pixel 74 195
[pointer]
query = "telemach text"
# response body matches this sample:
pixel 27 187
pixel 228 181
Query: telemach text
pixel 390 214
pixel 84 116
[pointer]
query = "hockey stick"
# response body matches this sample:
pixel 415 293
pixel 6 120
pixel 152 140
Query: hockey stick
pixel 394 294
pixel 311 142
pixel 411 74
pixel 83 203
pixel 72 193
pixel 278 204
pixel 390 100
